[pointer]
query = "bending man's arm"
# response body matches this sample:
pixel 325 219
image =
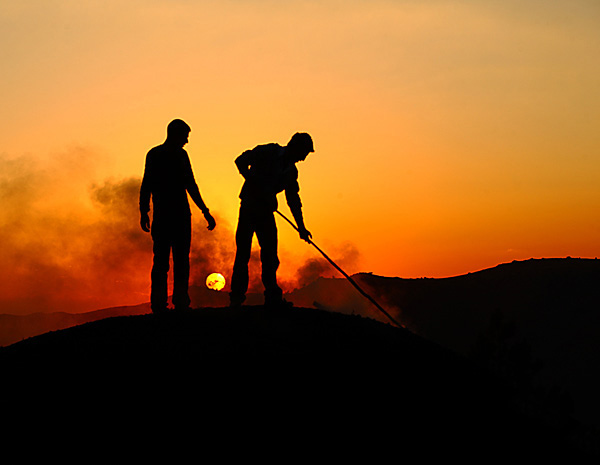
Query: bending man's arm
pixel 293 200
pixel 243 163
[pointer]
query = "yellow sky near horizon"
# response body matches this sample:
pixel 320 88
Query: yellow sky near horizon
pixel 450 136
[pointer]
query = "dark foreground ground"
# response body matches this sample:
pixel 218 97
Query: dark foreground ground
pixel 294 384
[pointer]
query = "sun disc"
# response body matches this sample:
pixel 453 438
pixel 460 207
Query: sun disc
pixel 215 281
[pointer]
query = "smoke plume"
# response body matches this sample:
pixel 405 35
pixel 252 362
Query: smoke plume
pixel 345 256
pixel 73 244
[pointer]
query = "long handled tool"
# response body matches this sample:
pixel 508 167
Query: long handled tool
pixel 344 273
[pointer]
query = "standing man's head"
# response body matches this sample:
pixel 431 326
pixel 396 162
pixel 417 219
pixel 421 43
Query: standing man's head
pixel 300 145
pixel 178 132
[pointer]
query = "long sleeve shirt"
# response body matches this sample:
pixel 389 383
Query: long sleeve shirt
pixel 168 178
pixel 268 172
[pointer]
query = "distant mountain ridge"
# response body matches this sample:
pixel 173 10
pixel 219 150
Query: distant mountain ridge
pixel 14 328
pixel 549 309
pixel 408 294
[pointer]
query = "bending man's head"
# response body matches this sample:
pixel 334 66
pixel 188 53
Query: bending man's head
pixel 300 145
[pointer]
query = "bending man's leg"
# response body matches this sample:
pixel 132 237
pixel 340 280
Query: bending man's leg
pixel 243 242
pixel 266 232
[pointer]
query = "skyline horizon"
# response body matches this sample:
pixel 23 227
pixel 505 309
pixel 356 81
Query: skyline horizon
pixel 256 292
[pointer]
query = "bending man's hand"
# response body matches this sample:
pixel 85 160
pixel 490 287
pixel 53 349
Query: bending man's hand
pixel 305 234
pixel 145 222
pixel 210 220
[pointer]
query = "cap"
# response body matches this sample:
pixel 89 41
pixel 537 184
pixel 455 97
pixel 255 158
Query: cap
pixel 302 140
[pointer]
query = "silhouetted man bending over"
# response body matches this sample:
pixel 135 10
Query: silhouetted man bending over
pixel 267 170
pixel 168 178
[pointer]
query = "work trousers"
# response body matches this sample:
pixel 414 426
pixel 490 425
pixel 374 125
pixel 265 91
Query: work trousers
pixel 170 236
pixel 262 223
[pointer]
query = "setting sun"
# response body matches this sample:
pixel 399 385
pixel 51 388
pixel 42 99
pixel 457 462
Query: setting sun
pixel 215 281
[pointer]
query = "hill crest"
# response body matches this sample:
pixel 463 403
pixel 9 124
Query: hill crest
pixel 312 370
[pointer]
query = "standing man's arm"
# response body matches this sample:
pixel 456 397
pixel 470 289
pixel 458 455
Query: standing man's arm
pixel 145 193
pixel 192 188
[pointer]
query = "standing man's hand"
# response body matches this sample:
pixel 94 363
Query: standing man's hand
pixel 210 220
pixel 305 234
pixel 145 222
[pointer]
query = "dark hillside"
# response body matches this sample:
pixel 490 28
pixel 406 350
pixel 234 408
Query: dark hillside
pixel 536 322
pixel 301 377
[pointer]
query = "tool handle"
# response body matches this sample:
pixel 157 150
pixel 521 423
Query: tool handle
pixel 343 272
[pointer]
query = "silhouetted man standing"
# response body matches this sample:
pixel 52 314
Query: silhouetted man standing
pixel 267 170
pixel 168 178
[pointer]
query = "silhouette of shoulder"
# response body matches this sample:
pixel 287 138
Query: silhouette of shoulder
pixel 164 150
pixel 262 153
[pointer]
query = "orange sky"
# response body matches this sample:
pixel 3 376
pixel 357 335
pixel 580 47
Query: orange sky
pixel 450 136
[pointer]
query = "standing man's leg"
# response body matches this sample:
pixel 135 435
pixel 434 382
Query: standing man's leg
pixel 181 264
pixel 160 270
pixel 266 232
pixel 243 242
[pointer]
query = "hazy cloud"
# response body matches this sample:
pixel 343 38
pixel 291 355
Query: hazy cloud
pixel 72 244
